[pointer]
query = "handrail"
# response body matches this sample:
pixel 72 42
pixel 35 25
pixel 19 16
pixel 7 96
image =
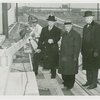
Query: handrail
pixel 78 26
pixel 12 28
pixel 59 20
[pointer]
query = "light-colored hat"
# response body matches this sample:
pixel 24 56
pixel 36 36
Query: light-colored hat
pixel 32 19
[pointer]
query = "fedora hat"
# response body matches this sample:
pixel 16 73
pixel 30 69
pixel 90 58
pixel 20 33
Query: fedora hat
pixel 51 18
pixel 88 13
pixel 68 22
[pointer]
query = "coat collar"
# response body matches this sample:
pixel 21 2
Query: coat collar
pixel 70 33
pixel 92 24
pixel 52 27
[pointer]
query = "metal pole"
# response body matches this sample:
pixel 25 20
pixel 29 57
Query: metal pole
pixel 5 19
pixel 16 13
pixel 97 11
pixel 69 7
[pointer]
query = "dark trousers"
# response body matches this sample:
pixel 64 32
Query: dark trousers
pixel 69 80
pixel 53 72
pixel 92 76
pixel 36 59
pixel 35 62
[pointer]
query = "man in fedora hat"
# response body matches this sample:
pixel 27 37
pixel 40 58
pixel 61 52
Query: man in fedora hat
pixel 69 52
pixel 91 50
pixel 48 45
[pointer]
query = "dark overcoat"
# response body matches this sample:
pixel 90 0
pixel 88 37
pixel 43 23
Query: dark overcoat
pixel 70 48
pixel 50 52
pixel 91 44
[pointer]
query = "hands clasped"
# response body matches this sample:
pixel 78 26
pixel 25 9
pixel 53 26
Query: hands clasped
pixel 50 41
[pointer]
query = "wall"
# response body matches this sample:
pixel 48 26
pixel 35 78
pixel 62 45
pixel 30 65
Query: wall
pixel 11 14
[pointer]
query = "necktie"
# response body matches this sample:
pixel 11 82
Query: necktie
pixel 88 25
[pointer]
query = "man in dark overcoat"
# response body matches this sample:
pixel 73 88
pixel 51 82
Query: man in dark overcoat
pixel 69 53
pixel 91 50
pixel 48 45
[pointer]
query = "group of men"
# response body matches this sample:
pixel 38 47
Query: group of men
pixel 65 59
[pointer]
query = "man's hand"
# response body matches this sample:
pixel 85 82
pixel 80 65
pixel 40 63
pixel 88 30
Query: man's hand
pixel 38 50
pixel 95 54
pixel 50 41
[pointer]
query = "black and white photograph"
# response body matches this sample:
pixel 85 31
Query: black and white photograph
pixel 49 49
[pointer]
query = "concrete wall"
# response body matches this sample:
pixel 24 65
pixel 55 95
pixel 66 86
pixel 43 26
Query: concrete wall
pixel 11 14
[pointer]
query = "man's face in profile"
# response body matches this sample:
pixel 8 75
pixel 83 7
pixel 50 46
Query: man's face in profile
pixel 32 24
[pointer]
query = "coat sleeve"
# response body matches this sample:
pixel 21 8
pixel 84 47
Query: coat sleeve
pixel 22 33
pixel 82 43
pixel 77 46
pixel 97 39
pixel 41 39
